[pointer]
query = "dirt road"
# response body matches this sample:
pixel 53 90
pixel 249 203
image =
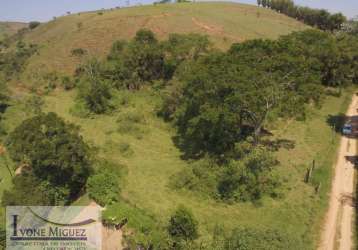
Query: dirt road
pixel 338 229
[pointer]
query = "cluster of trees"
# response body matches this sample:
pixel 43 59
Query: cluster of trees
pixel 134 64
pixel 315 17
pixel 54 162
pixel 12 62
pixel 224 99
pixel 221 101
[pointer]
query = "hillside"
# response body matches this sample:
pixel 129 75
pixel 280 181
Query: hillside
pixel 225 23
pixel 10 28
pixel 167 126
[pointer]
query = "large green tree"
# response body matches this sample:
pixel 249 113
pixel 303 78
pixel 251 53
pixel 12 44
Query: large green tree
pixel 145 58
pixel 54 150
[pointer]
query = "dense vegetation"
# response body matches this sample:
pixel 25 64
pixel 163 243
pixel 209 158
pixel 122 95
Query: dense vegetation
pixel 52 158
pixel 12 62
pixel 319 18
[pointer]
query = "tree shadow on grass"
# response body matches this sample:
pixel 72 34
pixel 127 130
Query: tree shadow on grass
pixel 3 108
pixel 190 151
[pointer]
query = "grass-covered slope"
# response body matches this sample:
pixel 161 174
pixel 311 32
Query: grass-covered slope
pixel 10 28
pixel 224 23
pixel 151 160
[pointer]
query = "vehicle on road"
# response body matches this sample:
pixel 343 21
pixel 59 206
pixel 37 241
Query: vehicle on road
pixel 347 129
pixel 350 128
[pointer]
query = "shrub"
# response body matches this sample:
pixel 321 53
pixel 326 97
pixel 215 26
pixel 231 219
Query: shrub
pixel 68 83
pixel 96 95
pixel 183 225
pixel 249 178
pixel 94 91
pixel 125 149
pixel 28 190
pixel 78 52
pixel 103 187
pixel 200 176
pixel 33 25
pixel 146 234
pixel 35 103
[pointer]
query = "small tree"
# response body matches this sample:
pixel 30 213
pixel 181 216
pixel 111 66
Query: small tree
pixel 94 91
pixel 33 24
pixel 144 58
pixel 183 225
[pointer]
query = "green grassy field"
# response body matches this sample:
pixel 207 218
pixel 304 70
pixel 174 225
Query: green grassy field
pixel 155 159
pixel 224 23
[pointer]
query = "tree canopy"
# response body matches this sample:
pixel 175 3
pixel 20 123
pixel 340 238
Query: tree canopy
pixel 54 150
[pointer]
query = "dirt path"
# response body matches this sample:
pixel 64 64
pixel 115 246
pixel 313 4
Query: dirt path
pixel 338 229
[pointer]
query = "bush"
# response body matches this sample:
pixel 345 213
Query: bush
pixel 33 25
pixel 35 103
pixel 146 234
pixel 94 91
pixel 103 187
pixel 125 149
pixel 13 61
pixel 249 178
pixel 68 83
pixel 200 176
pixel 183 225
pixel 78 52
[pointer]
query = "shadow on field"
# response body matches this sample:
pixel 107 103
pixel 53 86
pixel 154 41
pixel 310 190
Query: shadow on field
pixel 353 160
pixel 3 108
pixel 190 150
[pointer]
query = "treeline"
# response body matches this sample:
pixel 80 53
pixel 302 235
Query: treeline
pixel 319 18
